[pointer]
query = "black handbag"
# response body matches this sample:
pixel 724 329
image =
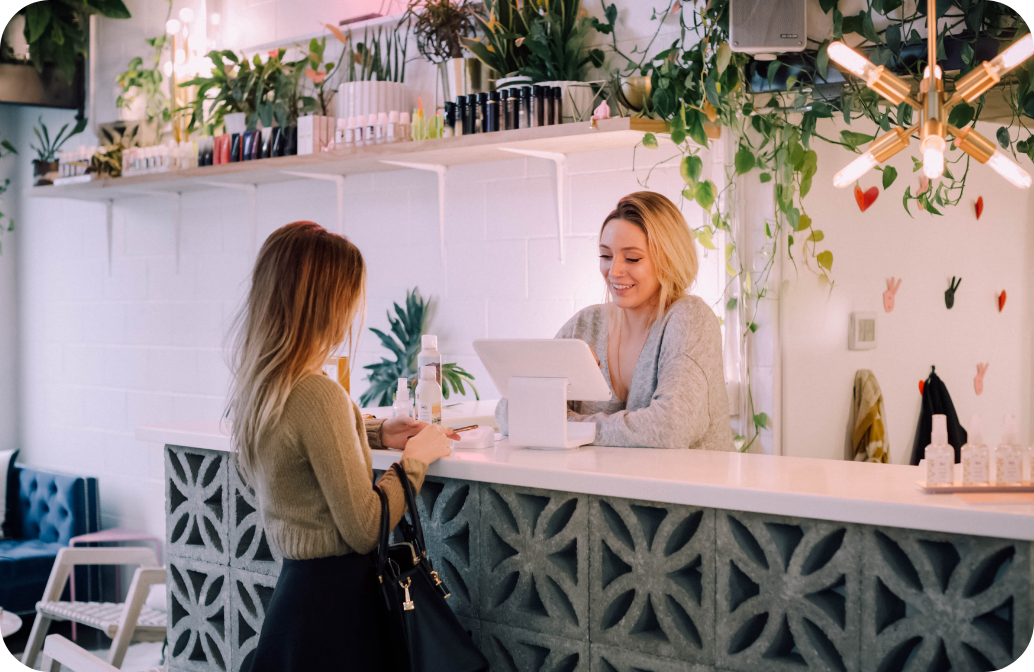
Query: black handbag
pixel 415 595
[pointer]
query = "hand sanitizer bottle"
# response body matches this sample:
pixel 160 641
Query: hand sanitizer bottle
pixel 428 397
pixel 1009 455
pixel 402 407
pixel 940 457
pixel 975 455
pixel 429 355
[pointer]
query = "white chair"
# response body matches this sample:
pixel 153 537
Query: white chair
pixel 123 622
pixel 59 651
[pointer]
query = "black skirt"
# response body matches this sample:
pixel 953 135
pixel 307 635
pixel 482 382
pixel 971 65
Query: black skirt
pixel 327 614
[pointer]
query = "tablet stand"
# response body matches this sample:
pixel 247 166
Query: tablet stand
pixel 538 415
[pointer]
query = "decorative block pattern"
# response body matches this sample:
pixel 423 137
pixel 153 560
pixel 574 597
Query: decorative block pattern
pixel 787 593
pixel 940 601
pixel 511 649
pixel 197 523
pixel 652 578
pixel 534 559
pixel 250 594
pixel 473 628
pixel 614 659
pixel 199 604
pixel 249 547
pixel 450 512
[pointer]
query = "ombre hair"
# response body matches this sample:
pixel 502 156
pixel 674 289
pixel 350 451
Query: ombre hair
pixel 307 287
pixel 669 240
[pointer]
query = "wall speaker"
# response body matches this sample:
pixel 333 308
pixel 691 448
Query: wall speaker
pixel 768 26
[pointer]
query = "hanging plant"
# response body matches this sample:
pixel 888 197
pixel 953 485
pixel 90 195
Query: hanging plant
pixel 56 31
pixel 6 148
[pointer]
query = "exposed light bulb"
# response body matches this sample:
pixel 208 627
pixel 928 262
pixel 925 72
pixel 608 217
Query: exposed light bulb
pixel 849 58
pixel 854 170
pixel 1005 167
pixel 214 18
pixel 938 73
pixel 167 68
pixel 181 57
pixel 1016 54
pixel 172 26
pixel 933 156
pixel 186 15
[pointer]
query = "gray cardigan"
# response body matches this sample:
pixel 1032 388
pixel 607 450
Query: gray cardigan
pixel 677 398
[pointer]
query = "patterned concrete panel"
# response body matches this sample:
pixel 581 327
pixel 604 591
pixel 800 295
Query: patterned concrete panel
pixel 651 578
pixel 614 659
pixel 534 559
pixel 940 601
pixel 250 593
pixel 249 547
pixel 199 605
pixel 511 649
pixel 197 520
pixel 787 593
pixel 473 628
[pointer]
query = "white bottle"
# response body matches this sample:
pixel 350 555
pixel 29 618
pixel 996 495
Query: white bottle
pixel 381 130
pixel 402 406
pixel 428 397
pixel 393 126
pixel 350 132
pixel 370 132
pixel 360 128
pixel 429 355
pixel 405 127
pixel 339 132
pixel 940 457
pixel 1009 455
pixel 975 455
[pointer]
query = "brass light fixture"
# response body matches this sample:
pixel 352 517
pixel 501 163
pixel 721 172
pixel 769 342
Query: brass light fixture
pixel 933 107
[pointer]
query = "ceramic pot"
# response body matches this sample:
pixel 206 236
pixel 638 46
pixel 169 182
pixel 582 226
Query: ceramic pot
pixel 355 98
pixel 235 122
pixel 579 99
pixel 44 172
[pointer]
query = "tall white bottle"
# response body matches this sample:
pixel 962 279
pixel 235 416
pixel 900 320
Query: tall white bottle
pixel 1009 455
pixel 975 455
pixel 428 397
pixel 402 405
pixel 429 356
pixel 940 456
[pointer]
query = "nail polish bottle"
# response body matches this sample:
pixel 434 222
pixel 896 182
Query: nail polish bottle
pixel 405 127
pixel 381 129
pixel 392 133
pixel 370 132
pixel 558 104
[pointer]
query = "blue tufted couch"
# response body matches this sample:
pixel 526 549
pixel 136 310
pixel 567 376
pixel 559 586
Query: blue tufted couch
pixel 44 511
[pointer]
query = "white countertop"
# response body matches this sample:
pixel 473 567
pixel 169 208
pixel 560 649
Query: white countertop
pixel 872 494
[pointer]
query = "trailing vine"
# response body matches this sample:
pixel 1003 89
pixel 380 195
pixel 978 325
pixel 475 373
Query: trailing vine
pixel 6 223
pixel 771 111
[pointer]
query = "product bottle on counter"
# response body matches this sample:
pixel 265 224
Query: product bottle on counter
pixel 1009 455
pixel 402 405
pixel 504 110
pixel 975 455
pixel 461 115
pixel 493 112
pixel 381 129
pixel 360 130
pixel 370 132
pixel 537 103
pixel 405 128
pixel 428 397
pixel 450 120
pixel 392 133
pixel 550 106
pixel 558 104
pixel 483 112
pixel 429 355
pixel 350 132
pixel 940 456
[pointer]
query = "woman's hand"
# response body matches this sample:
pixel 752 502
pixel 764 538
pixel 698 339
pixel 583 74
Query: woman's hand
pixel 429 445
pixel 397 431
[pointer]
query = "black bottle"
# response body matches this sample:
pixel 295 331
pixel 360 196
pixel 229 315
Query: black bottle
pixel 504 109
pixel 450 120
pixel 493 112
pixel 483 111
pixel 525 115
pixel 549 106
pixel 235 148
pixel 538 106
pixel 473 124
pixel 558 104
pixel 291 146
pixel 461 115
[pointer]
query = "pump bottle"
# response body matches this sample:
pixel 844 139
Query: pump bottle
pixel 940 457
pixel 1009 455
pixel 975 455
pixel 428 397
pixel 402 407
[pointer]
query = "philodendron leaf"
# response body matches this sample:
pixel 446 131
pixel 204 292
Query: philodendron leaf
pixel 650 140
pixel 890 174
pixel 705 194
pixel 825 259
pixel 744 160
pixel 761 420
pixel 817 236
pixel 704 236
pixel 1003 137
pixel 691 169
pixel 724 56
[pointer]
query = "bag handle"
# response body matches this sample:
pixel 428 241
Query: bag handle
pixel 416 531
pixel 382 543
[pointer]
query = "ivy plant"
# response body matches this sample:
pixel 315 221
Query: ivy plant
pixel 56 31
pixel 6 148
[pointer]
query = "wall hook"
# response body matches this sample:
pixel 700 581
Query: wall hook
pixel 1001 301
pixel 888 296
pixel 978 380
pixel 949 294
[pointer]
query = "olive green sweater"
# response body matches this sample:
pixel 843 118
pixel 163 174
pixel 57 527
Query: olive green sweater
pixel 314 475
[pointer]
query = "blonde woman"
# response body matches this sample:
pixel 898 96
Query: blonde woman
pixel 659 347
pixel 302 444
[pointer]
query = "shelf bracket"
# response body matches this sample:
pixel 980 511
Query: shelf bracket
pixel 109 228
pixel 177 197
pixel 560 159
pixel 251 189
pixel 338 180
pixel 441 170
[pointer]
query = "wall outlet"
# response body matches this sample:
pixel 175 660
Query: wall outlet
pixel 862 334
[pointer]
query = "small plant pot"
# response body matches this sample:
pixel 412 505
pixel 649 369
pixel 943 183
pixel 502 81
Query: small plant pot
pixel 44 172
pixel 579 99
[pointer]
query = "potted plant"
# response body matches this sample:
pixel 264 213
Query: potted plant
pixel 282 101
pixel 504 25
pixel 44 166
pixel 238 84
pixel 439 27
pixel 372 73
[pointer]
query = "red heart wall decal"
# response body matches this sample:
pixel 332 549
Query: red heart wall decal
pixel 1001 301
pixel 865 198
pixel 922 386
pixel 980 206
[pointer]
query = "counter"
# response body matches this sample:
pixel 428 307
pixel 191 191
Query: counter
pixel 654 560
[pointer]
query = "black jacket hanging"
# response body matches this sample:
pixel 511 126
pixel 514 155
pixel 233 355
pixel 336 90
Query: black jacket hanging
pixel 937 401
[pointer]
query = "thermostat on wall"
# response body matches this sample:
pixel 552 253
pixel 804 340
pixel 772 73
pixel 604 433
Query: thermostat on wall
pixel 862 335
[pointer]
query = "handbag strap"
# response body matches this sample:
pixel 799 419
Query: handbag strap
pixel 382 537
pixel 417 531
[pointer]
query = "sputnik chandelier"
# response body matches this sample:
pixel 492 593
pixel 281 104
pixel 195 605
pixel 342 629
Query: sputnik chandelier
pixel 933 107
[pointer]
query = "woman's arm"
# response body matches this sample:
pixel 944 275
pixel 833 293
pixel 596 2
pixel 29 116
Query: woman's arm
pixel 329 437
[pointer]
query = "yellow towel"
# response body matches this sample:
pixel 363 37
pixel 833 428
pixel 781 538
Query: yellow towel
pixel 869 441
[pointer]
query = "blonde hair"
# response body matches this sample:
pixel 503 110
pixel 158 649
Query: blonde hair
pixel 669 241
pixel 307 287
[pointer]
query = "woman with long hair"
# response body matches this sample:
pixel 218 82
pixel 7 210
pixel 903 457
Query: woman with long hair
pixel 659 347
pixel 304 447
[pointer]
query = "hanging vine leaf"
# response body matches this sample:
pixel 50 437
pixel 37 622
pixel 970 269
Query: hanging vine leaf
pixel 724 56
pixel 853 139
pixel 765 177
pixel 705 194
pixel 1003 137
pixel 744 160
pixel 890 174
pixel 704 236
pixel 650 141
pixel 691 168
pixel 825 259
pixel 961 115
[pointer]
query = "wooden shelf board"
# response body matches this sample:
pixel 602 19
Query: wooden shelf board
pixel 566 138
